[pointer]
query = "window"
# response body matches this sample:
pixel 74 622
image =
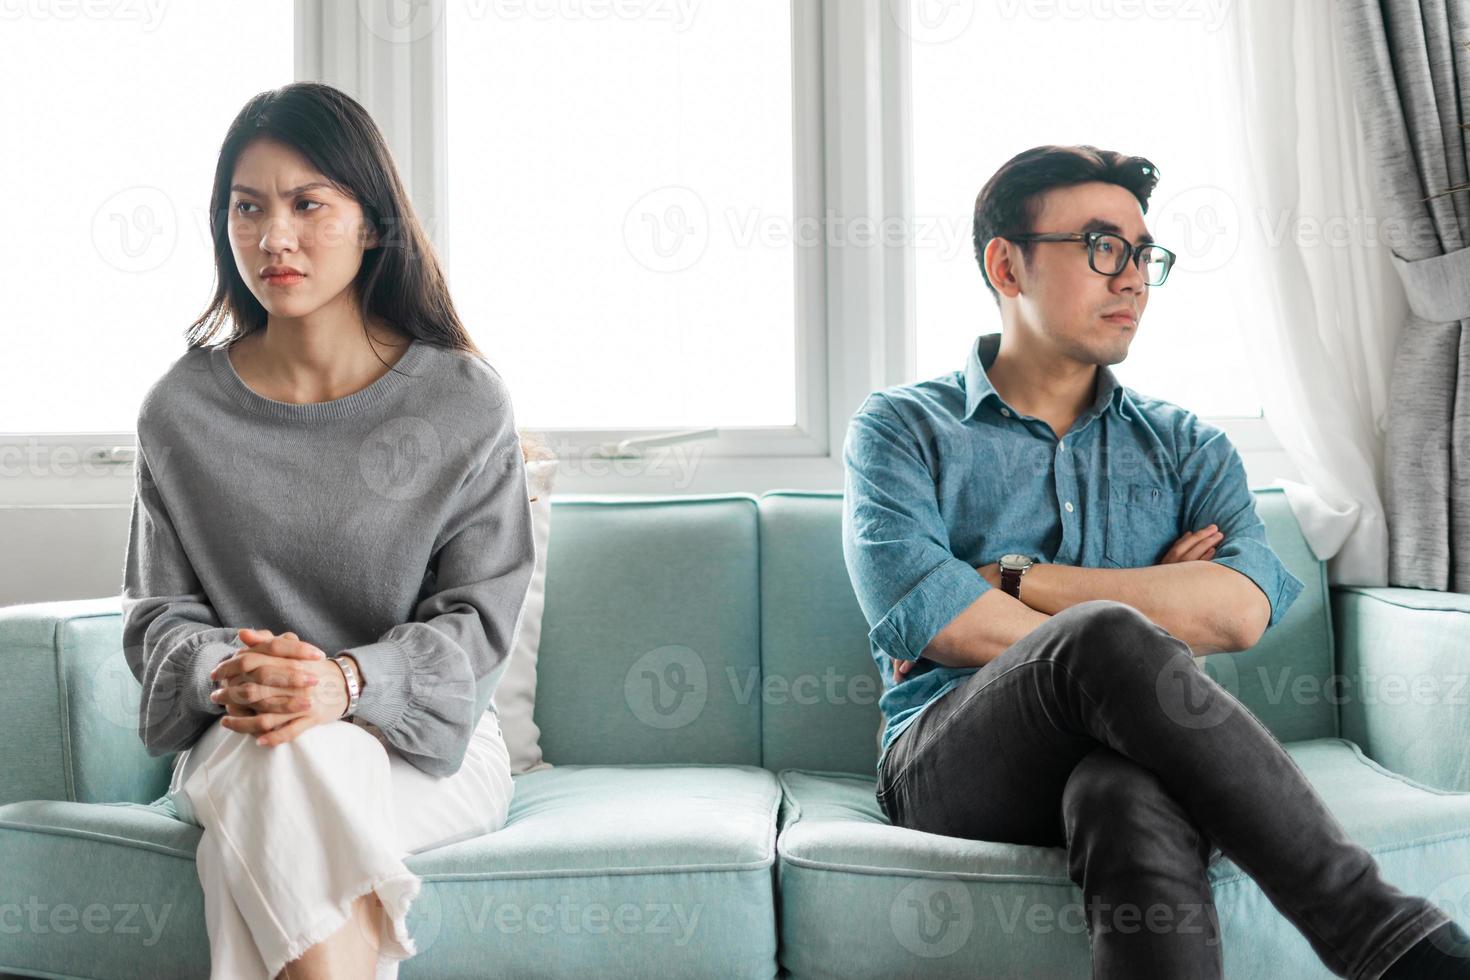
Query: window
pixel 112 149
pixel 655 214
pixel 621 233
pixel 993 79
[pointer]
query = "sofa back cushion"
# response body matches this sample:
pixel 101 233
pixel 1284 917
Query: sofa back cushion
pixel 820 687
pixel 650 639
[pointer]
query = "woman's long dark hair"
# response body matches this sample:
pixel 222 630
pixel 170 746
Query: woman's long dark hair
pixel 400 280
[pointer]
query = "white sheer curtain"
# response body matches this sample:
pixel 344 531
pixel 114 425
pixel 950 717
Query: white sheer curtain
pixel 1320 300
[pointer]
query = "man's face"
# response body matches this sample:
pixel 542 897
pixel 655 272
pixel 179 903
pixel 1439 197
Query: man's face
pixel 1058 295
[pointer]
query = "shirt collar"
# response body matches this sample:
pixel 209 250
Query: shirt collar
pixel 978 386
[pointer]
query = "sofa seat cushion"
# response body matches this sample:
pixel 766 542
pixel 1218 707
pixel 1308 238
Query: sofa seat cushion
pixel 103 890
pixel 862 898
pixel 609 871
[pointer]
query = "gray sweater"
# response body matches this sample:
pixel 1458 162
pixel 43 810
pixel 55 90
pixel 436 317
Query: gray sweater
pixel 393 524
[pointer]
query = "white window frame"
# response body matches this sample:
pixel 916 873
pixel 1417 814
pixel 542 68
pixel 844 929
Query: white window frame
pixel 404 86
pixel 855 330
pixel 855 324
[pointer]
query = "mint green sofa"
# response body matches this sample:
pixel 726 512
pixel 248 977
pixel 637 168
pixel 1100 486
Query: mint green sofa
pixel 708 698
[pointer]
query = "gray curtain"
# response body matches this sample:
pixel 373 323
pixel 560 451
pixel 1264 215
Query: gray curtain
pixel 1409 64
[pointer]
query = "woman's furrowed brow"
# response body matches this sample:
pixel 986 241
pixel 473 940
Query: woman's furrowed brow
pixel 291 193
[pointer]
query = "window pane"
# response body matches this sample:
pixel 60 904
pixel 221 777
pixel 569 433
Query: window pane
pixel 620 233
pixel 115 130
pixel 991 80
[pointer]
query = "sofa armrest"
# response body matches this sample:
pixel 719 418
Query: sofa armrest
pixel 69 708
pixel 1404 691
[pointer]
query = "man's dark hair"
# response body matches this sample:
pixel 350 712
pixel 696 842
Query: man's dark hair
pixel 1010 200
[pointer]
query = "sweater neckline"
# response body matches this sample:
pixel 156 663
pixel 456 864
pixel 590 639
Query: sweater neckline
pixel 338 408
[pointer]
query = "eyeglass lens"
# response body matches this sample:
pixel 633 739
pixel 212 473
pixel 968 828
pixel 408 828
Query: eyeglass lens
pixel 1108 252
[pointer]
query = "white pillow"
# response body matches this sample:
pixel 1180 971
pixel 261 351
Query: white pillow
pixel 515 694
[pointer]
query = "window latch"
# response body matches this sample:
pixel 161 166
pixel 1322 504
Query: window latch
pixel 632 448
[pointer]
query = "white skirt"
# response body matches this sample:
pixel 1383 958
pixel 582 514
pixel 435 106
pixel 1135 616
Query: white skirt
pixel 295 833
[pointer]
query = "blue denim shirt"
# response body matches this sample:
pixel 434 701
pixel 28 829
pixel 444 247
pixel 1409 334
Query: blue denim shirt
pixel 942 477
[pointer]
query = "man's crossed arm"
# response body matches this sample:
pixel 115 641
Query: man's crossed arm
pixel 1212 607
pixel 921 603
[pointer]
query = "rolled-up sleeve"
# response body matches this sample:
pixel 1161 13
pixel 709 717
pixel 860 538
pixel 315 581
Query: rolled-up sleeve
pixel 1217 492
pixel 894 541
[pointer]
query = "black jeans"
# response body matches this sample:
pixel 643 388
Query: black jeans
pixel 1098 732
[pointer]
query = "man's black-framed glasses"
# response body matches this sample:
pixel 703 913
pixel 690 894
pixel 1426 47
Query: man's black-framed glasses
pixel 1108 254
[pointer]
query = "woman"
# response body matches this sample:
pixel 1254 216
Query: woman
pixel 329 554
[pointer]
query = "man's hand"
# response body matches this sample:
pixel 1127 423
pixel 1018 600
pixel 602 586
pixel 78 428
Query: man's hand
pixel 278 687
pixel 1194 546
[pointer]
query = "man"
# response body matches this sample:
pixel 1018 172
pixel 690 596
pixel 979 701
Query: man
pixel 1065 708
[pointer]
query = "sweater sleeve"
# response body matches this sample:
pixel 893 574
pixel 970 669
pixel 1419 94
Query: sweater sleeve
pixel 426 683
pixel 172 637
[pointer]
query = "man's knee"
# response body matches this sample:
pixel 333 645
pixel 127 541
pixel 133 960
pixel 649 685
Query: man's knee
pixel 1104 616
pixel 1111 801
pixel 1108 786
pixel 1102 625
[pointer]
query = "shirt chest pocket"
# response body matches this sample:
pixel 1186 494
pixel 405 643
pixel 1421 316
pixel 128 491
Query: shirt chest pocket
pixel 1143 522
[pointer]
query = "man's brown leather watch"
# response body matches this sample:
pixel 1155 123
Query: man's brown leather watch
pixel 1012 567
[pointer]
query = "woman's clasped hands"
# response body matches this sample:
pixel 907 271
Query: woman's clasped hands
pixel 277 687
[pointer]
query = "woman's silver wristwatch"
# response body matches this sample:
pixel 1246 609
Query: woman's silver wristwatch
pixel 349 672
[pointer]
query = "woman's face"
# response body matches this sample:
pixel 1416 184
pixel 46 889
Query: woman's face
pixel 284 213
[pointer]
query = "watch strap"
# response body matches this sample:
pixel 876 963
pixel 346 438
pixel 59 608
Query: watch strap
pixel 1010 582
pixel 354 688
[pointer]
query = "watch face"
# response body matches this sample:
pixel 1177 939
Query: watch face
pixel 1015 562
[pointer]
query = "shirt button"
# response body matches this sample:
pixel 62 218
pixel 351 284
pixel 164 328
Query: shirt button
pixel 1062 445
pixel 1069 506
pixel 1006 412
